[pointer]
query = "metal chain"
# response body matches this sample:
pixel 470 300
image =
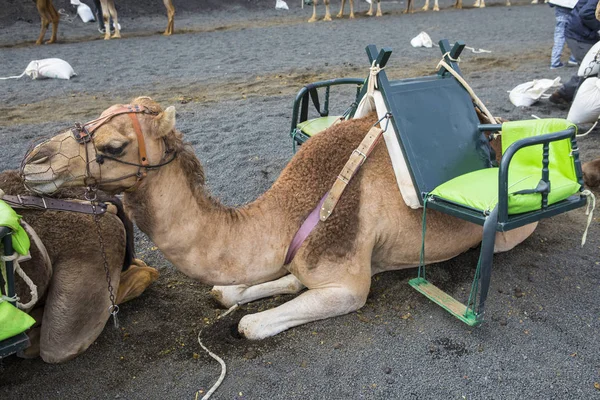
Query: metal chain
pixel 92 197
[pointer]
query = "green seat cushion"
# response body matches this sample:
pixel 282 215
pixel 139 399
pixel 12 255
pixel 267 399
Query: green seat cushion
pixel 313 126
pixel 9 218
pixel 13 321
pixel 479 189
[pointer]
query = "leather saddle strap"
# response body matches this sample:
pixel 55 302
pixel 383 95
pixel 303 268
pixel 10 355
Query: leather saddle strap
pixel 357 158
pixel 140 137
pixel 45 203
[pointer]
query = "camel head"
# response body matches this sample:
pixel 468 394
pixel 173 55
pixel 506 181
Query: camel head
pixel 110 152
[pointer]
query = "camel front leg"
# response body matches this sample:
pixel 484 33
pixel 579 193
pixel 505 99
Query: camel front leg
pixel 41 6
pixel 54 18
pixel 409 7
pixel 436 6
pixel 426 6
pixel 171 17
pixel 113 13
pixel 135 281
pixel 341 13
pixel 351 9
pixel 312 305
pixel 105 18
pixel 370 12
pixel 327 12
pixel 314 14
pixel 227 296
pixel 379 13
pixel 458 4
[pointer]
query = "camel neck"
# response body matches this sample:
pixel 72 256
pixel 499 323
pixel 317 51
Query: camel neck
pixel 205 240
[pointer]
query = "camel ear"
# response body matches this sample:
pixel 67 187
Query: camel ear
pixel 166 121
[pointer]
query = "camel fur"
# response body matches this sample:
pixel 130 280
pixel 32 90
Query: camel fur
pixel 370 231
pixel 73 304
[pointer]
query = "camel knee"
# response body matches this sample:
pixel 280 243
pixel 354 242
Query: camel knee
pixel 135 281
pixel 227 296
pixel 506 241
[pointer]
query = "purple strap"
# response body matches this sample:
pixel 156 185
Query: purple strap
pixel 305 229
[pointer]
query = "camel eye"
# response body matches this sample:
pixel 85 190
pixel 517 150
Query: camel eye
pixel 113 150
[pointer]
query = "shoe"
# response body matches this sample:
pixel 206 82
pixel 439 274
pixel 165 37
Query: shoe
pixel 102 30
pixel 557 66
pixel 572 63
pixel 558 98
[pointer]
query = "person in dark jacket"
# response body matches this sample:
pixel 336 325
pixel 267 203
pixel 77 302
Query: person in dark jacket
pixel 100 18
pixel 581 33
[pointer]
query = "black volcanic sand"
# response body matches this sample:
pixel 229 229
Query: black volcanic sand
pixel 232 72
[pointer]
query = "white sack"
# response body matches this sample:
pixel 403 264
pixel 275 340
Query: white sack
pixel 75 2
pixel 586 104
pixel 589 65
pixel 570 4
pixel 47 68
pixel 525 94
pixel 85 13
pixel 421 40
pixel 281 5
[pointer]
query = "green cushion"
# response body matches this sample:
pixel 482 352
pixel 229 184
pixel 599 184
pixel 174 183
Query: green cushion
pixel 13 321
pixel 9 218
pixel 479 189
pixel 313 126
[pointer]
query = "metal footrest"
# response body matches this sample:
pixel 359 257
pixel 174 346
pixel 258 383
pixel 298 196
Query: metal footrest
pixel 445 301
pixel 13 344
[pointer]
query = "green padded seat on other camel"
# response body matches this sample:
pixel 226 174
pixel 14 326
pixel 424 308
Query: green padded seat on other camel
pixel 314 126
pixel 479 189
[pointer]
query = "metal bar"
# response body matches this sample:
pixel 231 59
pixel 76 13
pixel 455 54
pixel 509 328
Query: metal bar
pixel 326 105
pixel 487 256
pixel 545 172
pixel 453 54
pixel 8 251
pixel 490 127
pixel 576 161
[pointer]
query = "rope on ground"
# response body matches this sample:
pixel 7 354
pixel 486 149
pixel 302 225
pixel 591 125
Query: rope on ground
pixel 590 213
pixel 591 129
pixel 216 357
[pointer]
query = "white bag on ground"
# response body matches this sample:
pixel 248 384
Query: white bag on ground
pixel 281 5
pixel 586 104
pixel 421 40
pixel 589 65
pixel 47 68
pixel 525 94
pixel 85 13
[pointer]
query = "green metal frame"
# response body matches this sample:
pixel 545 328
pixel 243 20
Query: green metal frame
pixel 21 341
pixel 496 220
pixel 310 93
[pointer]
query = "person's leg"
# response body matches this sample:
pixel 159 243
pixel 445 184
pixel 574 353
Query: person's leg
pixel 578 50
pixel 98 14
pixel 559 42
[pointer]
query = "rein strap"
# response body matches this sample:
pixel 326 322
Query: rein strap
pixel 358 157
pixel 46 203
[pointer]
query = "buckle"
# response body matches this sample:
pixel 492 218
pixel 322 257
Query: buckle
pixel 360 153
pixel 81 134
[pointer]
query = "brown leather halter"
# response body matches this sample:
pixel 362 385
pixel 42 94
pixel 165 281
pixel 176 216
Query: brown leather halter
pixel 84 134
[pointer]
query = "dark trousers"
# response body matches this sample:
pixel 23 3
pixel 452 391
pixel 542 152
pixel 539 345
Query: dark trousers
pixel 578 50
pixel 98 14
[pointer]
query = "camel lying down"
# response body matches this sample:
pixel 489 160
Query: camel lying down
pixel 73 304
pixel 370 231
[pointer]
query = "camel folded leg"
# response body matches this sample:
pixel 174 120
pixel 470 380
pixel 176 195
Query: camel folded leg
pixel 227 296
pixel 312 305
pixel 135 280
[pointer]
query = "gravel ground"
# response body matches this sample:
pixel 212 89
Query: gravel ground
pixel 232 73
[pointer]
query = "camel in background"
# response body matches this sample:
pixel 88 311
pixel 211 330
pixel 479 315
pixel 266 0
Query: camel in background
pixel 109 11
pixel 48 14
pixel 341 13
pixel 436 7
pixel 73 304
pixel 370 231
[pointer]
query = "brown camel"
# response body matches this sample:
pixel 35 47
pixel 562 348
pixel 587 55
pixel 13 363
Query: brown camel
pixel 370 231
pixel 73 304
pixel 109 11
pixel 591 173
pixel 341 13
pixel 47 14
